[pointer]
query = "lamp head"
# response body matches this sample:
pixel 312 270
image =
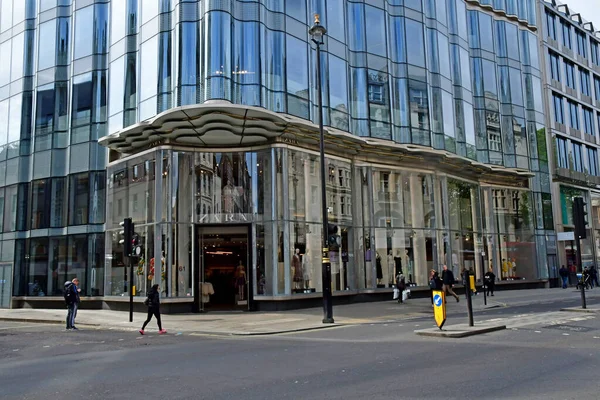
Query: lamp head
pixel 317 31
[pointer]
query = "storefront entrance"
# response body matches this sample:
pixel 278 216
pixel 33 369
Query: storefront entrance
pixel 223 267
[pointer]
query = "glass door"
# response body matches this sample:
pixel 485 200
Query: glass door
pixel 5 284
pixel 223 267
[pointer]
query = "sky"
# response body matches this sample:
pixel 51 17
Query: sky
pixel 589 10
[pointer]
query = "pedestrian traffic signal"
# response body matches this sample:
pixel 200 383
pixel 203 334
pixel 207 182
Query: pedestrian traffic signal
pixel 580 217
pixel 333 239
pixel 127 236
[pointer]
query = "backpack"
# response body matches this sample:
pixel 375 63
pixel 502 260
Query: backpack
pixel 68 293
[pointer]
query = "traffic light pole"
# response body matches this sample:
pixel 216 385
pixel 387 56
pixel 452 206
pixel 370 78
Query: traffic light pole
pixel 130 288
pixel 582 283
pixel 579 220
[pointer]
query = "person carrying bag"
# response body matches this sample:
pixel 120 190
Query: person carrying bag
pixel 153 303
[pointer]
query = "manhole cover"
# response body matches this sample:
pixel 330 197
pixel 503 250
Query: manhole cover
pixel 570 328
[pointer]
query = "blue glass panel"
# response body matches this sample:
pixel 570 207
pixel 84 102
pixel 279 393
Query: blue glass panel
pixel 272 59
pixel 416 51
pixel 358 94
pixel 101 28
pixel 441 12
pixel 465 68
pixel 516 85
pixel 297 67
pixel 188 53
pixel 164 62
pixel 246 52
pixel 414 4
pixel 501 49
pixel 504 84
pixel 84 19
pixel 490 84
pixel 477 77
pixel 512 40
pixel 217 52
pixel 338 81
pixel 444 55
pixel 356 27
pixel 473 30
pixel 433 62
pixel 486 32
pixel 47 45
pixel 5 66
pixel 376 42
pixel 419 105
pixel 336 24
pixel 296 9
pixel 400 114
pixel 461 19
pixel 397 39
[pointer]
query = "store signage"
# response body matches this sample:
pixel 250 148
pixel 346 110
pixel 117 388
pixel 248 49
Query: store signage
pixel 565 236
pixel 225 218
pixel 439 308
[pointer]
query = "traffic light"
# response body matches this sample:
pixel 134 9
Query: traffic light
pixel 127 234
pixel 579 217
pixel 332 237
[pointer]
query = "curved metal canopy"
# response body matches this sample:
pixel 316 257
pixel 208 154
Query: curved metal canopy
pixel 220 124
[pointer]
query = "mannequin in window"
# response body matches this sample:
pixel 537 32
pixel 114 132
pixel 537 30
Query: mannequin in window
pixel 240 280
pixel 306 270
pixel 297 270
pixel 390 268
pixel 379 271
pixel 139 275
pixel 398 262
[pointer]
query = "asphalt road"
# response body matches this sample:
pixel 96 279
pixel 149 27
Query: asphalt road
pixel 544 354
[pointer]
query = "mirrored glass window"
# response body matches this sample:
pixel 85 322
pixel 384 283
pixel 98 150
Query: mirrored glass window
pixel 336 24
pixel 118 20
pixel 297 66
pixel 17 58
pixel 47 45
pixel 356 27
pixel 375 20
pixel 149 71
pixel 84 19
pixel 416 51
pixel 397 39
pixel 4 66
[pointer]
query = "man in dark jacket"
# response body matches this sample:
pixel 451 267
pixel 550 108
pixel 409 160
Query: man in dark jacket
pixel 448 280
pixel 490 281
pixel 72 300
pixel 564 274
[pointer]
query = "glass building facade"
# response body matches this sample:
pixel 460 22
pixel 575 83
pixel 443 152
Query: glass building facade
pixel 571 62
pixel 436 145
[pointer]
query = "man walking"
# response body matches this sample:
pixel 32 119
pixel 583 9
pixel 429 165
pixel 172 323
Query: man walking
pixel 71 295
pixel 448 280
pixel 564 274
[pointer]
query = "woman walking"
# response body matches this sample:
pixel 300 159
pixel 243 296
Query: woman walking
pixel 153 303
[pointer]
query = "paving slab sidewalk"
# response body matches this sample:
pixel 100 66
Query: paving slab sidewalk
pixel 265 323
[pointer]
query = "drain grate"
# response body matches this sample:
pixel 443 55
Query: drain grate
pixel 570 328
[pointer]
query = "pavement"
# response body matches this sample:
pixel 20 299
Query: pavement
pixel 270 323
pixel 376 360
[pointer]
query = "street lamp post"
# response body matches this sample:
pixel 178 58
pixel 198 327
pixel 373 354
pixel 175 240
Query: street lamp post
pixel 317 31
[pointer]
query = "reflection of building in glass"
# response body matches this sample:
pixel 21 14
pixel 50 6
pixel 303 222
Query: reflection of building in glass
pixel 208 126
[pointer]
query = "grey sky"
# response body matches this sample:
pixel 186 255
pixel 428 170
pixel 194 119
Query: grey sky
pixel 589 10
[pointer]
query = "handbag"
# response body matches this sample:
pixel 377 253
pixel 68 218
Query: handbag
pixel 396 294
pixel 405 295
